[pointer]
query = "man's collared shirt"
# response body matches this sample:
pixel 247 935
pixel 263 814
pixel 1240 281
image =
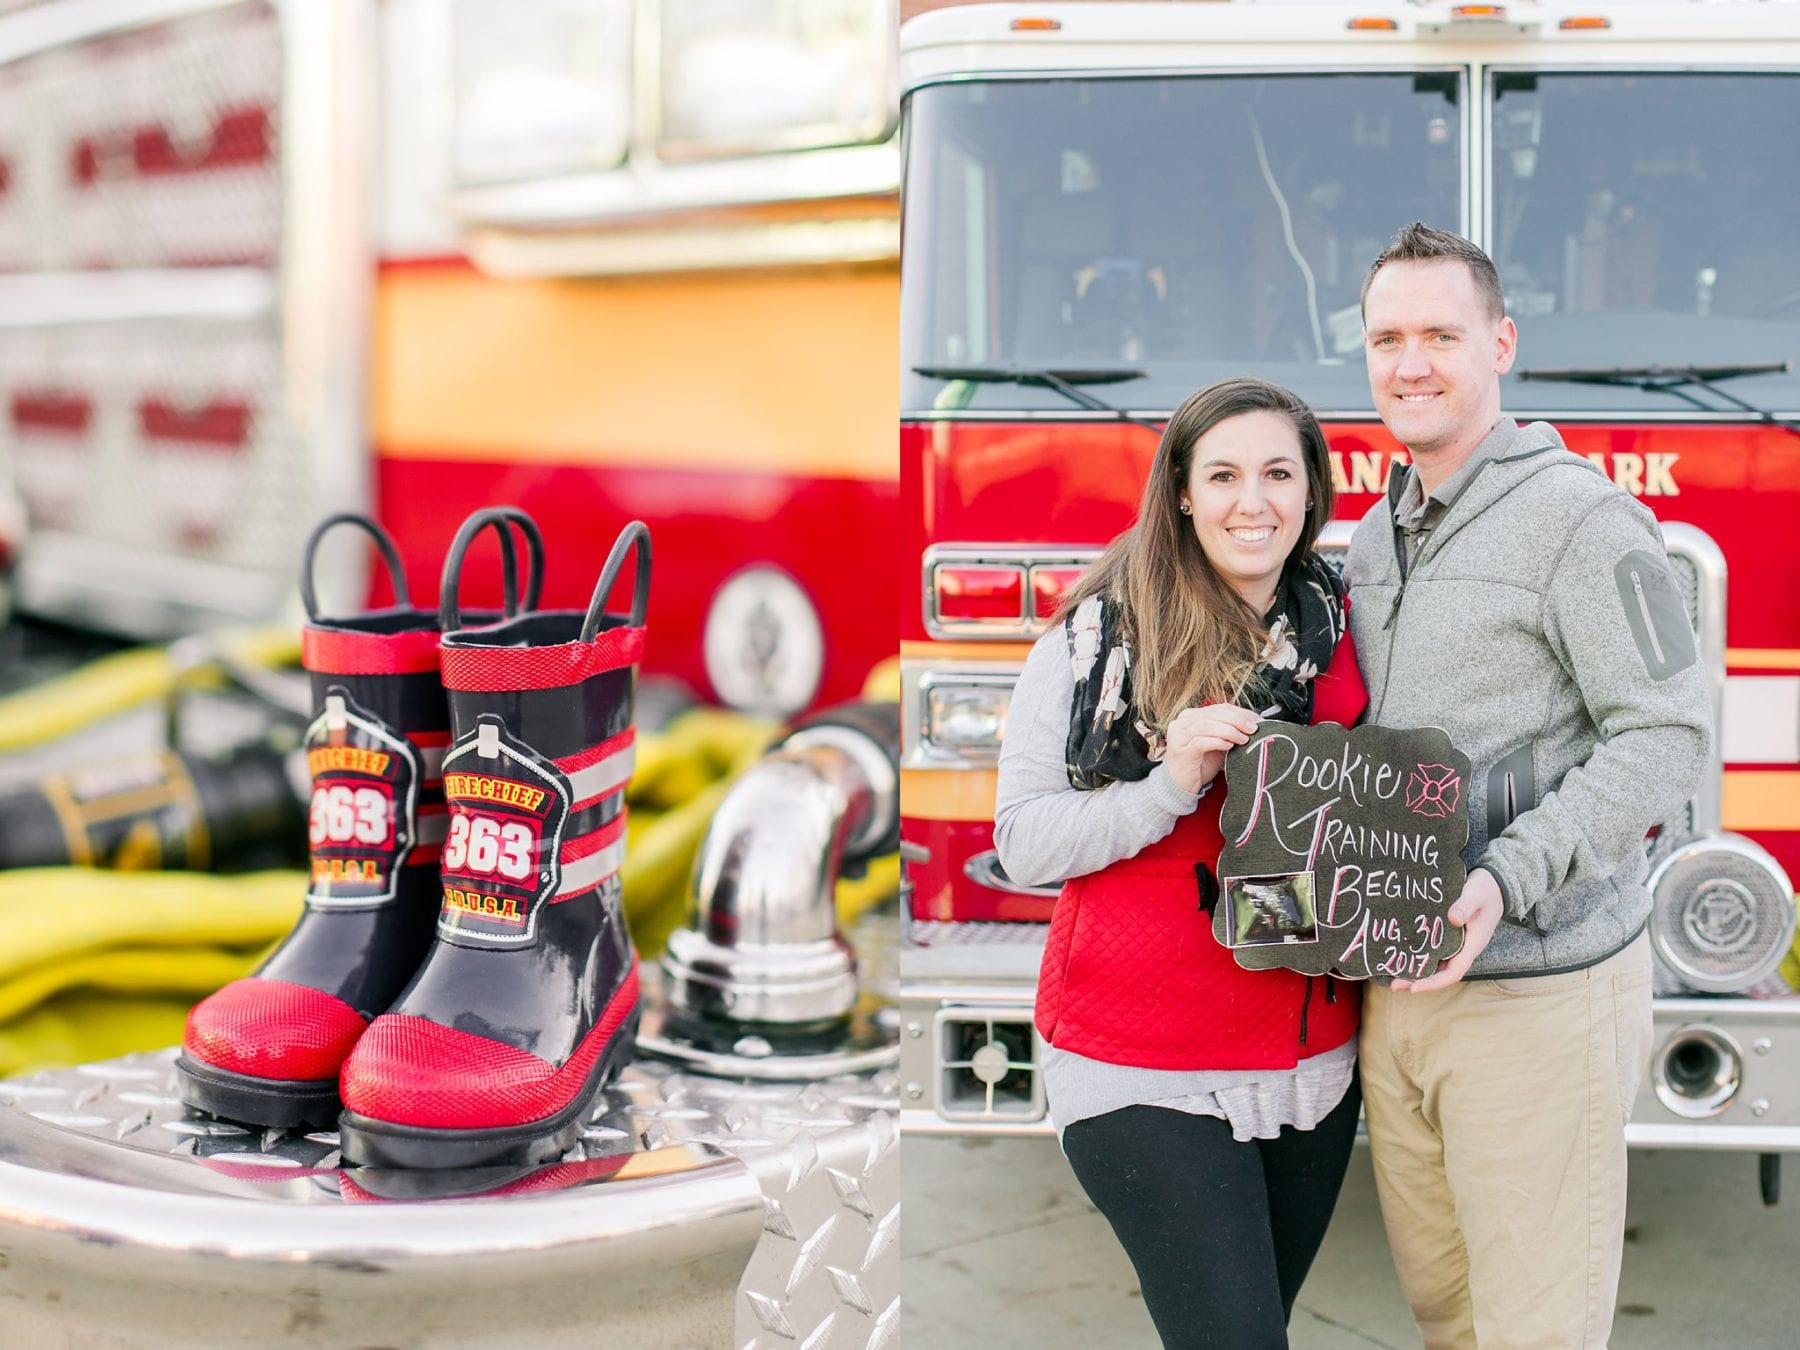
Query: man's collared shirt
pixel 1419 515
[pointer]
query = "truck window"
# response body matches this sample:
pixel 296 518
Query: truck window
pixel 1191 227
pixel 1644 219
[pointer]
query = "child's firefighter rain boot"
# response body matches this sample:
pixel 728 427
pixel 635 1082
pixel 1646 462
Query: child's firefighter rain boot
pixel 527 1004
pixel 267 1049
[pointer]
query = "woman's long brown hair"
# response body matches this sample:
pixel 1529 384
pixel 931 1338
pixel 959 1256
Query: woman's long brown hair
pixel 1193 638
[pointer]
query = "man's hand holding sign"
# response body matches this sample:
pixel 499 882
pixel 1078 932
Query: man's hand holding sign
pixel 1477 912
pixel 1343 854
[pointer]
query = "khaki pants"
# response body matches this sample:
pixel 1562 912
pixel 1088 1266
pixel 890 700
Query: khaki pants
pixel 1496 1112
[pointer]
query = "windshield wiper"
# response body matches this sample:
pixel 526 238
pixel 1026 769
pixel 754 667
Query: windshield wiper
pixel 1063 382
pixel 1676 380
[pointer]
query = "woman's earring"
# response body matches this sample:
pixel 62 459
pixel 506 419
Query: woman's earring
pixel 1188 510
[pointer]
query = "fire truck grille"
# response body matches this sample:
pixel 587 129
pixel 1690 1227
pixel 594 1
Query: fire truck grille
pixel 157 147
pixel 145 399
pixel 1722 914
pixel 987 1066
pixel 177 445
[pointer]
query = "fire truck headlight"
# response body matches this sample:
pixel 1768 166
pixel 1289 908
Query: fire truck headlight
pixel 966 717
pixel 1722 913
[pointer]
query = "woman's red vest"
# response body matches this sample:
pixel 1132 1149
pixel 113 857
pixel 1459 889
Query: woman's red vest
pixel 1133 975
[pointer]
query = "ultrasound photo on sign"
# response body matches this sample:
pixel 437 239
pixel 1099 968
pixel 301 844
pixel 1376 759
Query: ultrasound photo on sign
pixel 1266 910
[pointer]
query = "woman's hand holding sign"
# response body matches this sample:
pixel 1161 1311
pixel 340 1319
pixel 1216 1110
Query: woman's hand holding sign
pixel 1199 739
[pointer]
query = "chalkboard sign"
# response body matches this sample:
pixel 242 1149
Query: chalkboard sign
pixel 1343 850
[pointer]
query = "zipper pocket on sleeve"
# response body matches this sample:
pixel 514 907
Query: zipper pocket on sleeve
pixel 1637 585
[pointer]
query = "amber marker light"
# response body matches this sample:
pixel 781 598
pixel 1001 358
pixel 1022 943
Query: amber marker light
pixel 1036 25
pixel 1584 22
pixel 1372 25
pixel 1478 12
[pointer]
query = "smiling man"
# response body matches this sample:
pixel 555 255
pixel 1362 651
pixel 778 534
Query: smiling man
pixel 1506 591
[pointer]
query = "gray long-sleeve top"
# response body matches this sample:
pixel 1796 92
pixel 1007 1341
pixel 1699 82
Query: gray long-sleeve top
pixel 1046 831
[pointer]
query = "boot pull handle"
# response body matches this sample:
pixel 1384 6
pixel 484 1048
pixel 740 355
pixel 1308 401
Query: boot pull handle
pixel 383 541
pixel 635 534
pixel 499 517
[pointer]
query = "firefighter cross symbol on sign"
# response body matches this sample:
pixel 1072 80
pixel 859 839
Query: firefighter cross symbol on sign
pixel 1343 850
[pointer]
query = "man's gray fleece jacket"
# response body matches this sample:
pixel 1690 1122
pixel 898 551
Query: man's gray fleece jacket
pixel 1540 627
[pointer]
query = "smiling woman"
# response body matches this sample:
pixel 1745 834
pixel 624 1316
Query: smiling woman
pixel 1208 1111
pixel 1238 457
pixel 1247 495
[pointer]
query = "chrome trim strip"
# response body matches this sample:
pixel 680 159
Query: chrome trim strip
pixel 1340 61
pixel 46 26
pixel 1742 1138
pixel 930 1122
pixel 639 190
pixel 1733 1138
pixel 33 300
pixel 1708 560
pixel 984 870
pixel 1022 556
pixel 677 247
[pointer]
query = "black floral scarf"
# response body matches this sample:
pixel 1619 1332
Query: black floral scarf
pixel 1108 741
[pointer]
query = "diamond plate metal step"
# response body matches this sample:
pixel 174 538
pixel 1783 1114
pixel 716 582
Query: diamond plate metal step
pixel 693 1211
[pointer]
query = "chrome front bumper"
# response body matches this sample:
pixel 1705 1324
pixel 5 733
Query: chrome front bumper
pixel 968 984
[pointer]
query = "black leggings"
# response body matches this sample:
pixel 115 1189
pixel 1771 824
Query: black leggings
pixel 1221 1233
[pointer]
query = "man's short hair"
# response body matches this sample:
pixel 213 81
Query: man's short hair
pixel 1418 242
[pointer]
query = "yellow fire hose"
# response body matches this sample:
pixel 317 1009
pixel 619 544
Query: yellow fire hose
pixel 101 962
pixel 112 684
pixel 133 943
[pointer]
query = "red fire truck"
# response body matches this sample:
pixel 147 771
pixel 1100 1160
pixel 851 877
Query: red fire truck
pixel 265 259
pixel 1108 206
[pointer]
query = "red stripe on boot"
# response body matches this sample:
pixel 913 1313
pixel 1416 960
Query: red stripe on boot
pixel 610 746
pixel 591 843
pixel 490 670
pixel 333 651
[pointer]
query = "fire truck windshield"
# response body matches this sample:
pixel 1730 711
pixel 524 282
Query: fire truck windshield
pixel 1197 226
pixel 1647 220
pixel 1191 227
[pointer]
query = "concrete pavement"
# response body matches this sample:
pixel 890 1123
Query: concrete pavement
pixel 1001 1251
